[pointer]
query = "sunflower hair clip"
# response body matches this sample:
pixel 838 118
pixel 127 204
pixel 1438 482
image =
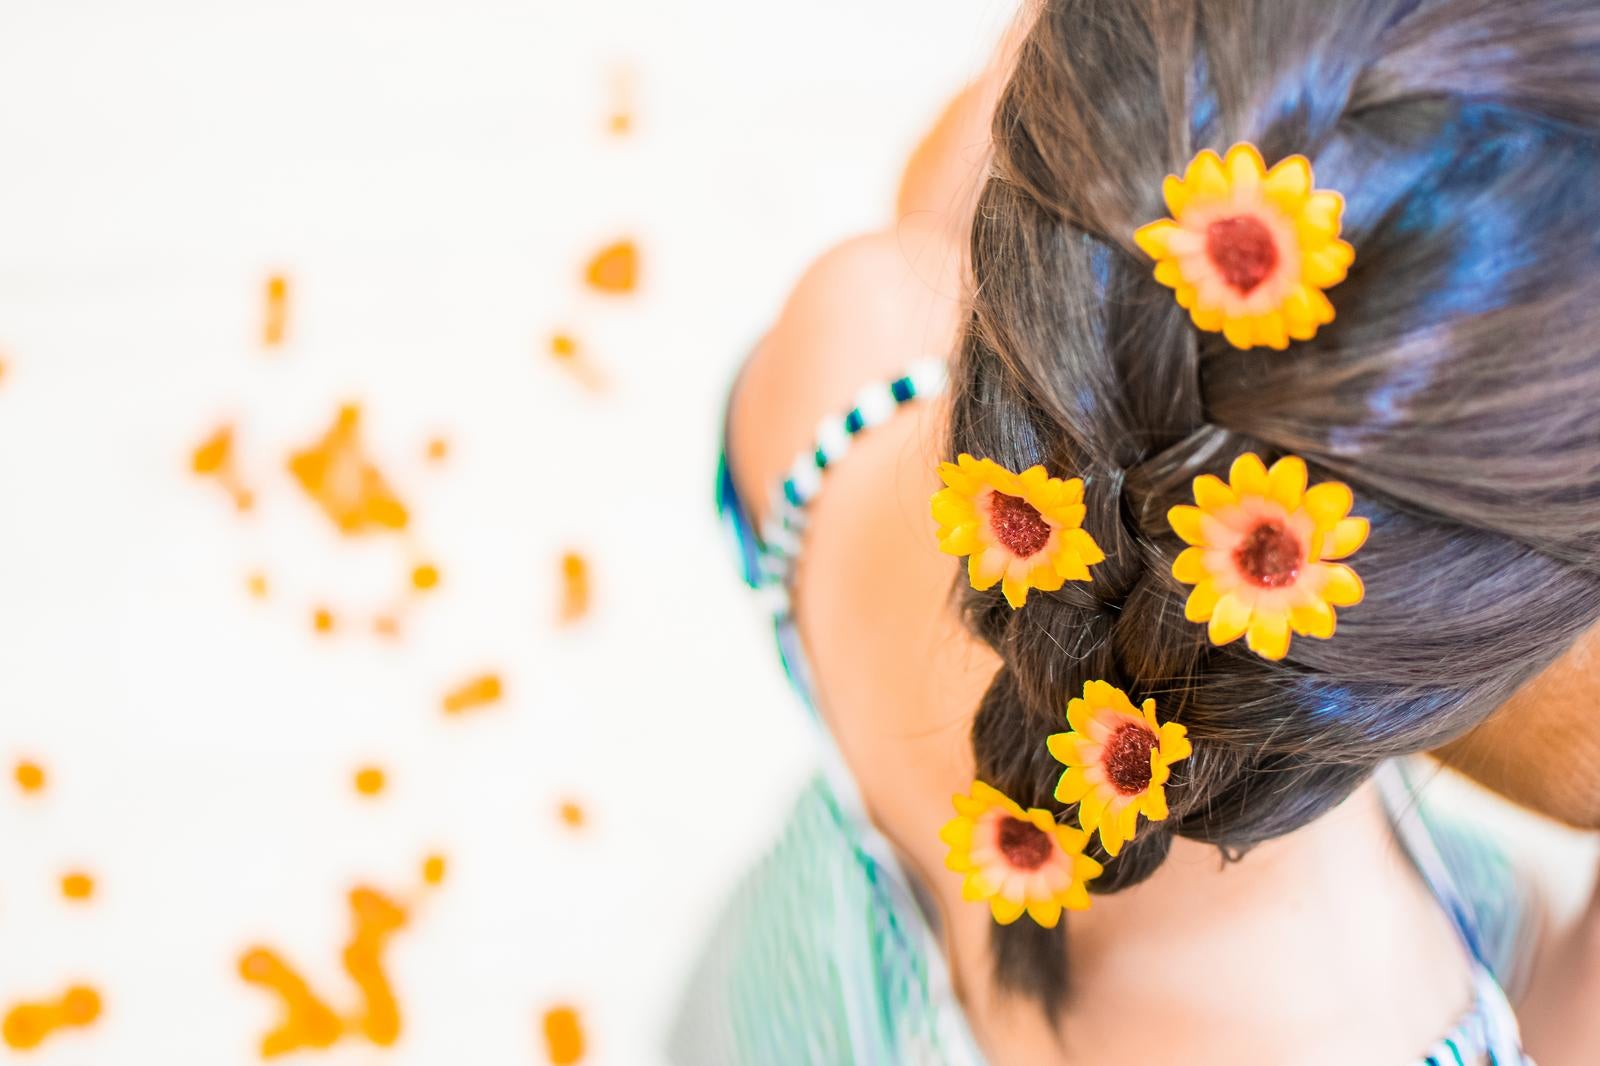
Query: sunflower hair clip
pixel 1248 251
pixel 1021 531
pixel 1263 554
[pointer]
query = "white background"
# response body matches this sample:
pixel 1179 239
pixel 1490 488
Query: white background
pixel 432 176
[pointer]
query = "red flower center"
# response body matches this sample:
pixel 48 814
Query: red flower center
pixel 1025 845
pixel 1127 758
pixel 1270 556
pixel 1017 524
pixel 1242 250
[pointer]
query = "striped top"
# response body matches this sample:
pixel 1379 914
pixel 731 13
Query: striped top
pixel 829 951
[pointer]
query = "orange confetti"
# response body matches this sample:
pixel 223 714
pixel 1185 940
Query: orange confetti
pixel 369 780
pixel 336 473
pixel 438 449
pixel 27 1025
pixel 614 268
pixel 257 584
pixel 322 620
pixel 563 1036
pixel 574 587
pixel 386 625
pixel 572 814
pixel 568 354
pixel 213 458
pixel 425 576
pixel 77 886
pixel 275 317
pixel 307 1020
pixel 29 776
pixel 563 345
pixel 433 869
pixel 478 692
pixel 620 121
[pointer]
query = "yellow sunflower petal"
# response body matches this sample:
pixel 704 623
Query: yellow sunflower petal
pixel 962 540
pixel 1244 166
pixel 1342 587
pixel 1229 620
pixel 1314 618
pixel 1005 910
pixel 1076 898
pixel 1148 710
pixel 1169 273
pixel 1212 494
pixel 1209 319
pixel 1248 475
pixel 1202 602
pixel 1111 835
pixel 1071 840
pixel 1328 502
pixel 1174 742
pixel 1268 635
pixel 1326 265
pixel 1270 330
pixel 1084 546
pixel 952 508
pixel 1205 181
pixel 1153 238
pixel 1300 314
pixel 1016 591
pixel 1318 219
pixel 1067 749
pixel 1239 333
pixel 976 887
pixel 1155 804
pixel 1286 481
pixel 1079 715
pixel 1348 535
pixel 1190 566
pixel 980 574
pixel 1288 185
pixel 1046 912
pixel 1091 808
pixel 1186 522
pixel 957 833
pixel 959 479
pixel 1084 868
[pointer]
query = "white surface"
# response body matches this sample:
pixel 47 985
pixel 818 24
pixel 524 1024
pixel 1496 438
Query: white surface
pixel 432 176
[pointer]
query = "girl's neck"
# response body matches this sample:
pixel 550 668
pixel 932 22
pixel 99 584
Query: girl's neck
pixel 1277 950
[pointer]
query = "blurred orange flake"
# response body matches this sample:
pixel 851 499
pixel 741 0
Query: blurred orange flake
pixel 478 692
pixel 572 814
pixel 433 869
pixel 27 1025
pixel 438 449
pixel 322 620
pixel 307 1020
pixel 574 587
pixel 563 1036
pixel 614 268
pixel 336 473
pixel 370 780
pixel 424 576
pixel 77 886
pixel 257 584
pixel 213 458
pixel 275 312
pixel 29 776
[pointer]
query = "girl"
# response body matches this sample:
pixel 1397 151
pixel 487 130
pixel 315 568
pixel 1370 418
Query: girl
pixel 1271 451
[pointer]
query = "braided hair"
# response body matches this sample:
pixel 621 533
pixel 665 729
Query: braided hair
pixel 1458 392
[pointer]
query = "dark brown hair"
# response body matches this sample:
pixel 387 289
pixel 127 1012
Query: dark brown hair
pixel 1458 392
